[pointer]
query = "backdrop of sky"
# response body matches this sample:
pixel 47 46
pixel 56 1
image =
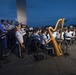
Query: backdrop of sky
pixel 47 12
pixel 41 12
pixel 8 9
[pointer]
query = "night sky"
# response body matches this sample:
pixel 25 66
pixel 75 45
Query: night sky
pixel 47 12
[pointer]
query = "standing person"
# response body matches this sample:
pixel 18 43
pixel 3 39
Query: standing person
pixel 19 37
pixel 4 31
pixel 3 40
pixel 8 25
pixel 3 26
pixel 12 24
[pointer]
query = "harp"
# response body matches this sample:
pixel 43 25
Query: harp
pixel 55 44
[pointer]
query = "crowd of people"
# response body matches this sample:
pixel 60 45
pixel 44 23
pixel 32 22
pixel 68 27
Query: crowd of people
pixel 18 33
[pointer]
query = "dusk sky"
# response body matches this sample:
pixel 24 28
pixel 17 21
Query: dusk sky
pixel 47 12
pixel 8 9
pixel 41 12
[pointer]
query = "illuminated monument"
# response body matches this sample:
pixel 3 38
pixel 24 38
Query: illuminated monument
pixel 21 10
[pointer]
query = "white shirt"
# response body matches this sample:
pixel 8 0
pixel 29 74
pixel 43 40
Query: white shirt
pixel 19 35
pixel 69 34
pixel 31 28
pixel 43 39
pixel 23 31
pixel 54 34
pixel 10 27
pixel 62 35
pixel 48 36
pixel 58 35
pixel 3 28
pixel 73 33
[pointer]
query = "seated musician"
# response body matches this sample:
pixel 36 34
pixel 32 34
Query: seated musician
pixel 73 38
pixel 74 33
pixel 19 37
pixel 45 42
pixel 44 39
pixel 47 34
pixel 58 36
pixel 68 34
pixel 36 35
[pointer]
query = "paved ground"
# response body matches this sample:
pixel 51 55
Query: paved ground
pixel 52 66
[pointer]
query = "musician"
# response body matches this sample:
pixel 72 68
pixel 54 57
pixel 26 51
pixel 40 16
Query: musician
pixel 19 37
pixel 3 39
pixel 5 30
pixel 68 34
pixel 45 42
pixel 3 26
pixel 58 35
pixel 12 25
pixel 9 34
pixel 43 38
pixel 9 25
pixel 36 35
pixel 23 26
pixel 74 32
